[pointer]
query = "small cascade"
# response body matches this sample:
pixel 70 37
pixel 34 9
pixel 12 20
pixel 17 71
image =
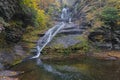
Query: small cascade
pixel 52 32
pixel 70 20
pixel 47 38
pixel 65 16
pixel 64 13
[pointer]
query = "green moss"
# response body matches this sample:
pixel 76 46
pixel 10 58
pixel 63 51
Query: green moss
pixel 59 49
pixel 57 46
pixel 30 37
pixel 16 61
pixel 84 45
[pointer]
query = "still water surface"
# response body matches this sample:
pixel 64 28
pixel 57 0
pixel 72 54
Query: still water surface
pixel 82 69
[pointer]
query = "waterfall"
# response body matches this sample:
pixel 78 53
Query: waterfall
pixel 52 32
pixel 64 13
pixel 70 20
pixel 65 16
pixel 47 38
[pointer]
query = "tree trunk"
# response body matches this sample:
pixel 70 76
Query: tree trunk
pixel 112 36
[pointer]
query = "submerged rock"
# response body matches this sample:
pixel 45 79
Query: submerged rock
pixel 1 67
pixel 111 58
pixel 9 73
pixel 8 78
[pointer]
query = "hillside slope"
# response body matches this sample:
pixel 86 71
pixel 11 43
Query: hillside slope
pixel 103 19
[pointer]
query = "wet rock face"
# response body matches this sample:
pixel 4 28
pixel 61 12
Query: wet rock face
pixel 13 35
pixel 8 8
pixel 102 38
pixel 67 36
pixel 6 58
pixel 67 2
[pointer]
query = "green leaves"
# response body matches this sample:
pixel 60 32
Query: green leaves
pixel 31 8
pixel 110 15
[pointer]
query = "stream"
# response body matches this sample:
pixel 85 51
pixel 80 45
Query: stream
pixel 85 68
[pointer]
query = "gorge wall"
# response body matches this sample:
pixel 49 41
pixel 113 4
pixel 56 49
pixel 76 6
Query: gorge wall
pixel 67 2
pixel 8 8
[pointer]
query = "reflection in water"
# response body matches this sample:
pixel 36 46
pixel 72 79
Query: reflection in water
pixel 63 76
pixel 47 67
pixel 84 69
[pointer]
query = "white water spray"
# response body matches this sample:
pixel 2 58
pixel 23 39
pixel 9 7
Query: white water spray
pixel 70 20
pixel 65 16
pixel 64 13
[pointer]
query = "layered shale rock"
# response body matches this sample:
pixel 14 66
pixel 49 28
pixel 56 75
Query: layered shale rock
pixel 8 8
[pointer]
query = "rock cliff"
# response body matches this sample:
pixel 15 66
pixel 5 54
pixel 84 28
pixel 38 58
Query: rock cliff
pixel 8 8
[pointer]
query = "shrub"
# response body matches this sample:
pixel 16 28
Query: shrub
pixel 110 16
pixel 31 8
pixel 84 45
pixel 14 32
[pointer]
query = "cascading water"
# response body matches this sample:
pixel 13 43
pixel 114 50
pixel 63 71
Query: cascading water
pixel 70 20
pixel 48 37
pixel 51 33
pixel 65 16
pixel 64 13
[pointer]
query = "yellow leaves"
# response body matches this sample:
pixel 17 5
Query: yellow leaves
pixel 98 23
pixel 114 54
pixel 100 38
pixel 42 17
pixel 90 16
pixel 118 22
pixel 38 17
pixel 44 4
pixel 95 14
pixel 7 78
pixel 115 3
pixel 30 3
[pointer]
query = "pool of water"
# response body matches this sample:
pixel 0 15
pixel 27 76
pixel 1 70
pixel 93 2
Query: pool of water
pixel 82 69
